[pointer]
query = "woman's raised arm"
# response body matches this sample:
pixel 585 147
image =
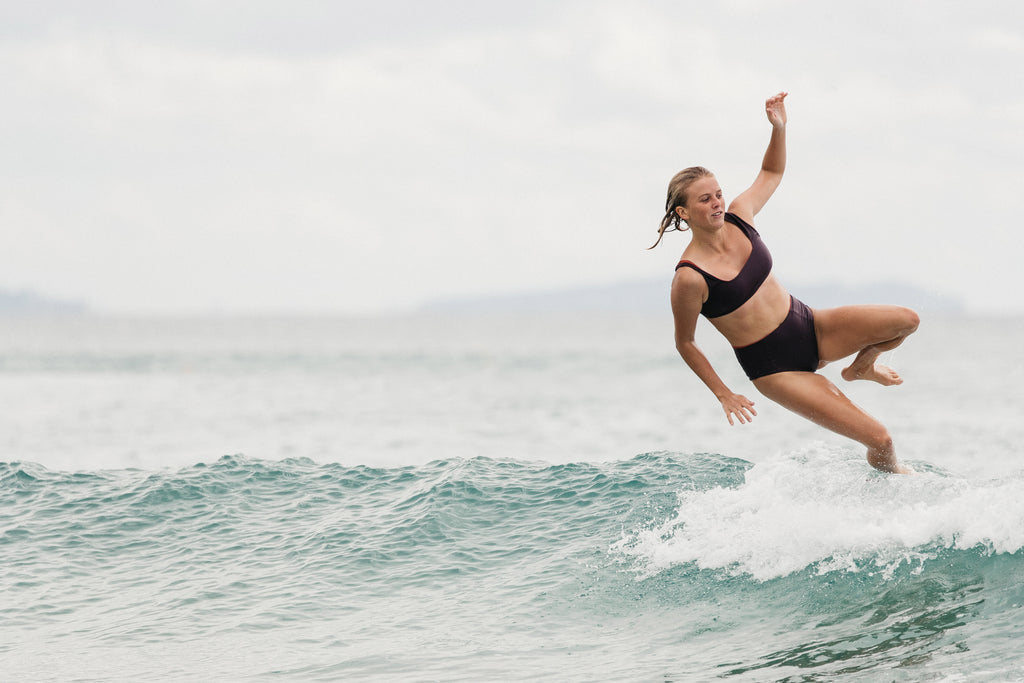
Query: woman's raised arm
pixel 749 202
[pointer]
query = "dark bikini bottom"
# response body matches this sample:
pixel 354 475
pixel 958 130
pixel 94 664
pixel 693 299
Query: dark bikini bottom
pixel 792 345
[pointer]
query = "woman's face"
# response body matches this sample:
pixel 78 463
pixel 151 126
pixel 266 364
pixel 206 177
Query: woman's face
pixel 705 205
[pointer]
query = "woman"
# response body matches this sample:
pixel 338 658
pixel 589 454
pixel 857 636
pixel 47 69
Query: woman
pixel 725 274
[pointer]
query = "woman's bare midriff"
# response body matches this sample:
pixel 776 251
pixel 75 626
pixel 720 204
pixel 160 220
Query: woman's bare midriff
pixel 756 318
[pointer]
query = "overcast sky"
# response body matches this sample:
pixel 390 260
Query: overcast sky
pixel 254 156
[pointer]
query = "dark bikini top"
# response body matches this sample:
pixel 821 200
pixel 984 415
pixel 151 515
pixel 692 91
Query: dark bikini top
pixel 725 296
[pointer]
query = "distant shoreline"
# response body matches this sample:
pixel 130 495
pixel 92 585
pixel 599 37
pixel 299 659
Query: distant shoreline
pixel 26 302
pixel 652 295
pixel 639 296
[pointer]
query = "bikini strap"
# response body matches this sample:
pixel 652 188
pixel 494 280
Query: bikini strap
pixel 690 264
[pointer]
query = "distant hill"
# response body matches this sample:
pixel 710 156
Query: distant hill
pixel 652 296
pixel 26 302
pixel 923 300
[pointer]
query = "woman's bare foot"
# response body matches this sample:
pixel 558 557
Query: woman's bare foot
pixel 897 468
pixel 886 462
pixel 882 374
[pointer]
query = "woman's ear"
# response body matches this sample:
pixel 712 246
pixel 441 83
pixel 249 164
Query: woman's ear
pixel 681 212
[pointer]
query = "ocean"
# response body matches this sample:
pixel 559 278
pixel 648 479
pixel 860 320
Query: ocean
pixel 492 497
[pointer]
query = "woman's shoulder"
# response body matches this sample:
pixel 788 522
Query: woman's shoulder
pixel 742 209
pixel 689 291
pixel 745 225
pixel 688 281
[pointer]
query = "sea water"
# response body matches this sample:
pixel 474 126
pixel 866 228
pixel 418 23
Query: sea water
pixel 494 497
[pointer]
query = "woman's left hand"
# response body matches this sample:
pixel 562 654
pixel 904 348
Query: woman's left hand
pixel 775 107
pixel 738 405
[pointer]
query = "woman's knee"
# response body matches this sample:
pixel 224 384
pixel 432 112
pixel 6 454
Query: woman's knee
pixel 881 454
pixel 878 440
pixel 909 320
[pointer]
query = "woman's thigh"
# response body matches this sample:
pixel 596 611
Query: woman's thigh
pixel 845 330
pixel 816 398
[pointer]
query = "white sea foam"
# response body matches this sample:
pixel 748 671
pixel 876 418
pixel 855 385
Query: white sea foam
pixel 823 508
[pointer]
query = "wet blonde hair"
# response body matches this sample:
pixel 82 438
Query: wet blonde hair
pixel 677 188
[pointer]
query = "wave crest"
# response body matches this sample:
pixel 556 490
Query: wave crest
pixel 820 509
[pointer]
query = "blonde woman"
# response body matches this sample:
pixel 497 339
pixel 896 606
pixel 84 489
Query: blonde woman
pixel 726 274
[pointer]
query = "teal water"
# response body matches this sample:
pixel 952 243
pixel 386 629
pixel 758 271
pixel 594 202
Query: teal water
pixel 460 498
pixel 665 566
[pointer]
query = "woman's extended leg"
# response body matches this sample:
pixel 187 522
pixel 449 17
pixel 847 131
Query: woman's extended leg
pixel 819 400
pixel 866 331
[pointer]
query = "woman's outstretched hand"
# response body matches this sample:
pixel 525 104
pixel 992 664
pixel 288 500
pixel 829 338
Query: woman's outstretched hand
pixel 738 405
pixel 775 107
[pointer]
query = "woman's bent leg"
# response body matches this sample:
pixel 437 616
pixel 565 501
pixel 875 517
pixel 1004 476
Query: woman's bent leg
pixel 867 331
pixel 819 400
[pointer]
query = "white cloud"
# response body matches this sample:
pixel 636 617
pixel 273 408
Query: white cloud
pixel 153 164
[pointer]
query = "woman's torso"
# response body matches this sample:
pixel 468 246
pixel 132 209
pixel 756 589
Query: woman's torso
pixel 740 270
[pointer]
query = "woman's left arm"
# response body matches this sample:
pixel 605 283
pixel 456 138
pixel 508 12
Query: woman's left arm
pixel 753 199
